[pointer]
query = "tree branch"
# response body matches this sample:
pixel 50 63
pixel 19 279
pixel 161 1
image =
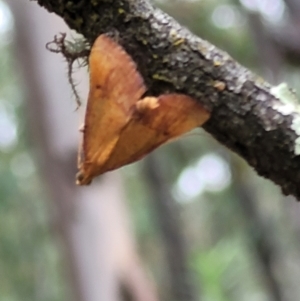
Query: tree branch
pixel 246 116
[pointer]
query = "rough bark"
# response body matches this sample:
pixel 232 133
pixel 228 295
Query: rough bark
pixel 243 114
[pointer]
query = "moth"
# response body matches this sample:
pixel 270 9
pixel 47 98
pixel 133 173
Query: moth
pixel 121 126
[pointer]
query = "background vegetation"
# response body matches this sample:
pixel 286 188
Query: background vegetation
pixel 207 227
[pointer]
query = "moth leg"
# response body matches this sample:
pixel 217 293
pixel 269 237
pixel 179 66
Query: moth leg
pixel 81 128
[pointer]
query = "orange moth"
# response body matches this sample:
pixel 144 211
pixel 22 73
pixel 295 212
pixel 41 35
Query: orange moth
pixel 121 126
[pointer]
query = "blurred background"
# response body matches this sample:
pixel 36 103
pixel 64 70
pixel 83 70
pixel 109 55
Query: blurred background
pixel 191 222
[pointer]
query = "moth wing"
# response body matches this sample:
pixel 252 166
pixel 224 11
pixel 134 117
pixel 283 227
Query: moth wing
pixel 115 86
pixel 156 121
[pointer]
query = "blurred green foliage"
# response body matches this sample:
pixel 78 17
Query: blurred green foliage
pixel 223 235
pixel 30 260
pixel 237 236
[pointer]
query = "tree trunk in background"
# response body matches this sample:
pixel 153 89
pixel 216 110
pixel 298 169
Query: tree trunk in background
pixel 268 55
pixel 167 213
pixel 91 221
pixel 260 234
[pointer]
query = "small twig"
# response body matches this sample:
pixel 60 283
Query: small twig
pixel 71 51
